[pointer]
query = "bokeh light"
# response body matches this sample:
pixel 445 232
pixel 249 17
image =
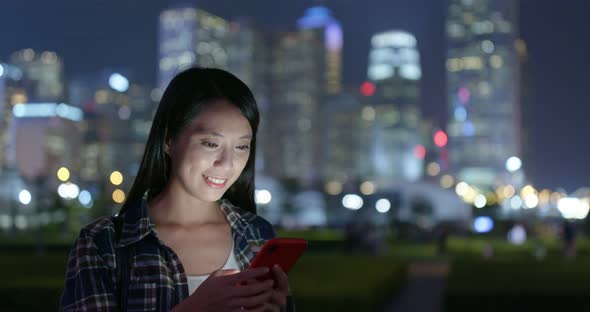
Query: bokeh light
pixel 118 196
pixel 63 174
pixel 383 205
pixel 24 196
pixel 116 178
pixel 262 197
pixel 367 188
pixel 352 201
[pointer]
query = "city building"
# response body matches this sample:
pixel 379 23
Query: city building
pixel 483 90
pixel 306 69
pixel 118 113
pixel 391 113
pixel 189 36
pixel 43 138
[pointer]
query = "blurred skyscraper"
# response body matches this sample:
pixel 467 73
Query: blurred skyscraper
pixel 483 89
pixel 118 115
pixel 42 138
pixel 11 93
pixel 45 137
pixel 189 36
pixel 30 77
pixel 341 137
pixel 43 75
pixel 391 113
pixel 306 68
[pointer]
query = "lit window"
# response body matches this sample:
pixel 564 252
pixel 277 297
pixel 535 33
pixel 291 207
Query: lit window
pixel 487 46
pixel 454 64
pixel 496 61
pixel 472 62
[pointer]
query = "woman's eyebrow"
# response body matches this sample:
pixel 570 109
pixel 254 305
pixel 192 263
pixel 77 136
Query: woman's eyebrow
pixel 217 134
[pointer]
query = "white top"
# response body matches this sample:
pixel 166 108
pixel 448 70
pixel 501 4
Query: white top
pixel 195 281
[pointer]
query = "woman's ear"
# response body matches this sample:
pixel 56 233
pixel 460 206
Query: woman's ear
pixel 167 147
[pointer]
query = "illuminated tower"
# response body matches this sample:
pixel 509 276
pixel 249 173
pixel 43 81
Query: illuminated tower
pixel 391 112
pixel 483 90
pixel 306 69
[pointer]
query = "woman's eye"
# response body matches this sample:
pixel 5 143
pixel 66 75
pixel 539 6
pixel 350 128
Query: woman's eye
pixel 243 147
pixel 209 144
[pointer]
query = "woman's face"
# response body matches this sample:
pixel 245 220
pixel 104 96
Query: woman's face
pixel 210 153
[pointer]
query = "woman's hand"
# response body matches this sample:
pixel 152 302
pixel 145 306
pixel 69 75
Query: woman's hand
pixel 280 292
pixel 232 290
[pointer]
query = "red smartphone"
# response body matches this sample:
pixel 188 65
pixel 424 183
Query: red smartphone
pixel 282 251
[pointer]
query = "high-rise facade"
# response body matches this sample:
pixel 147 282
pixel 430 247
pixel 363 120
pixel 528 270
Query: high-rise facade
pixel 483 85
pixel 11 93
pixel 29 77
pixel 341 137
pixel 391 113
pixel 118 113
pixel 43 75
pixel 189 36
pixel 306 69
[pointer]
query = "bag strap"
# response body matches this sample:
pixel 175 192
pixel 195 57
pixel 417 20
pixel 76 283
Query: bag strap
pixel 122 268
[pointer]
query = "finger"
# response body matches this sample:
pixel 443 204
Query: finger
pixel 272 307
pixel 225 272
pixel 262 308
pixel 281 278
pixel 252 281
pixel 252 289
pixel 246 275
pixel 279 298
pixel 252 301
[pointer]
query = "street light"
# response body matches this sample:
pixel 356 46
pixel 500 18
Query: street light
pixel 383 205
pixel 118 196
pixel 333 187
pixel 513 164
pixel 85 198
pixel 352 201
pixel 480 201
pixel 262 197
pixel 68 190
pixel 116 178
pixel 63 174
pixel 24 197
pixel 367 188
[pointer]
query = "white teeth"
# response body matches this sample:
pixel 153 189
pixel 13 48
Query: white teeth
pixel 216 181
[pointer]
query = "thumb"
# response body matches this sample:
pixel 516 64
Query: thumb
pixel 225 272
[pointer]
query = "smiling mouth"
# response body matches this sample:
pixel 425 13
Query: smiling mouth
pixel 215 182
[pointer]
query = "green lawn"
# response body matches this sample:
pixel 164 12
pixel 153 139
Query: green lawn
pixel 330 278
pixel 506 284
pixel 345 283
pixel 30 282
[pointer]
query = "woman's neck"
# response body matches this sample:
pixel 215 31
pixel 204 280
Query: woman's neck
pixel 175 206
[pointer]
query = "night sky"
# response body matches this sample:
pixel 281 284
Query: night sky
pixel 90 35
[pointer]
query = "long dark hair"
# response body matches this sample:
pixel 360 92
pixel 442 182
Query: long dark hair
pixel 186 95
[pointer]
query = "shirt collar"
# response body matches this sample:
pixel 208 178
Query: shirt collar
pixel 136 223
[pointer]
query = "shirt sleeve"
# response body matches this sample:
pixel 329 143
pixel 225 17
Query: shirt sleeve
pixel 88 280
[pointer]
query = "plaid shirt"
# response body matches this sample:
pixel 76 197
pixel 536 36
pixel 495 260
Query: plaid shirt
pixel 157 278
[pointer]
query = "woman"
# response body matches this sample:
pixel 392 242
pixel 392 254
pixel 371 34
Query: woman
pixel 189 227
